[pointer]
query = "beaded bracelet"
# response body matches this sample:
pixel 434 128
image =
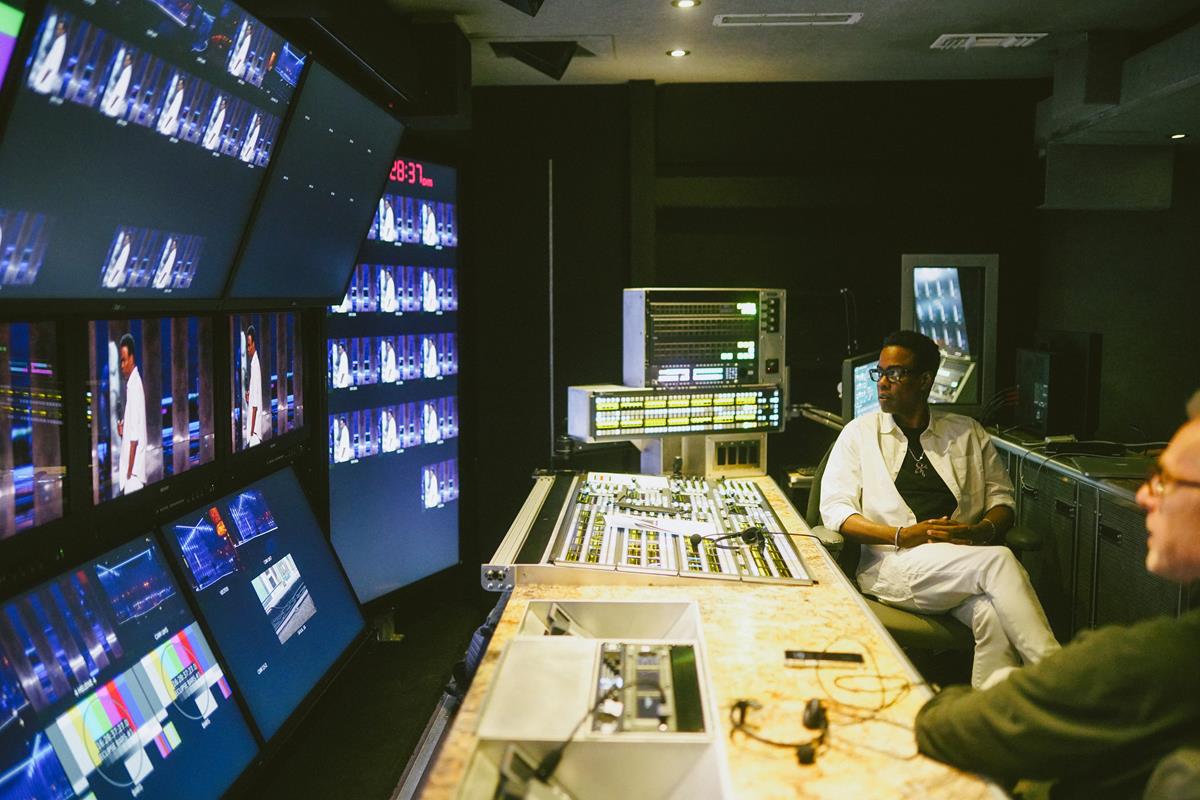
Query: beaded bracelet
pixel 989 522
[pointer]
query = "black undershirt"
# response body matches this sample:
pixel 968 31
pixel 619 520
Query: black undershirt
pixel 927 495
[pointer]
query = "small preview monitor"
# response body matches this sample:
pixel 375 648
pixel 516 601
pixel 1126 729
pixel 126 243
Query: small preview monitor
pixel 860 394
pixel 109 688
pixel 138 139
pixel 270 590
pixel 266 377
pixel 952 300
pixel 321 193
pixel 32 467
pixel 150 401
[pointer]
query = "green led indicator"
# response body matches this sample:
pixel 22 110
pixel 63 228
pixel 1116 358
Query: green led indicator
pixel 10 20
pixel 748 309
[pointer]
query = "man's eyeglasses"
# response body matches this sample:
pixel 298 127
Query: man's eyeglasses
pixel 1159 481
pixel 894 374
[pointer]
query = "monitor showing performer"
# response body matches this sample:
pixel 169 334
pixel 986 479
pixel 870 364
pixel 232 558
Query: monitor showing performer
pixel 150 399
pixel 268 387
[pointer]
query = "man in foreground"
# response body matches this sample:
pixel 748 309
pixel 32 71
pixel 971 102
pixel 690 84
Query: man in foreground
pixel 1101 713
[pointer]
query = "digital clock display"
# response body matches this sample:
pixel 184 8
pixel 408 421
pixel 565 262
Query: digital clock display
pixel 411 172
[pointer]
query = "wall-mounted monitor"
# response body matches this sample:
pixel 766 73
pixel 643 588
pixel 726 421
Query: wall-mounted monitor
pixel 137 141
pixel 109 689
pixel 392 355
pixel 952 300
pixel 32 465
pixel 860 394
pixel 149 400
pixel 270 590
pixel 321 194
pixel 266 377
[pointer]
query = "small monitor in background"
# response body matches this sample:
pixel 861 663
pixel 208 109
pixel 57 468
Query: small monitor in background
pixel 860 394
pixel 265 377
pixel 32 467
pixel 270 590
pixel 136 144
pixel 150 398
pixel 321 194
pixel 952 300
pixel 109 688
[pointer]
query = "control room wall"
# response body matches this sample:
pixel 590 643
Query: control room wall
pixel 516 134
pixel 815 187
pixel 1132 276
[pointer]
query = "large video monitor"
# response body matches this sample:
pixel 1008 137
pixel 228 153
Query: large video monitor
pixel 150 401
pixel 32 467
pixel 320 196
pixel 860 394
pixel 270 590
pixel 109 689
pixel 136 144
pixel 266 379
pixel 952 300
pixel 392 383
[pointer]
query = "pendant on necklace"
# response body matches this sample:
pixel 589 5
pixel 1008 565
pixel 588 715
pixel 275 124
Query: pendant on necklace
pixel 919 466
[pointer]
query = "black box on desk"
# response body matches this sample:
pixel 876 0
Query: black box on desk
pixel 1038 383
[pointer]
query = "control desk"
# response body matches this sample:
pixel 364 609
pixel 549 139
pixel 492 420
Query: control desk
pixel 541 681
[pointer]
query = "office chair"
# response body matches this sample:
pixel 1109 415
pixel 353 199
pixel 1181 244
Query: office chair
pixel 909 629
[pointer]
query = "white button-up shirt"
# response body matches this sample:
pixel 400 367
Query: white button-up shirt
pixel 860 476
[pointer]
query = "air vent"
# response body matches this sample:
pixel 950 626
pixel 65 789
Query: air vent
pixel 967 41
pixel 786 20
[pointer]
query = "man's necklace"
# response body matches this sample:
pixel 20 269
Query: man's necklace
pixel 918 463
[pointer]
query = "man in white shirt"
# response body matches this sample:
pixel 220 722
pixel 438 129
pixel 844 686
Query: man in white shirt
pixel 168 120
pixel 132 427
pixel 254 413
pixel 216 121
pixel 44 77
pixel 431 423
pixel 114 271
pixel 241 51
pixel 388 302
pixel 388 371
pixel 166 263
pixel 432 494
pixel 247 152
pixel 339 366
pixel 389 439
pixel 387 220
pixel 342 451
pixel 113 103
pixel 429 357
pixel 924 494
pixel 429 291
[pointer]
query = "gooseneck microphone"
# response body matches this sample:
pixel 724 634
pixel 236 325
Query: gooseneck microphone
pixel 754 536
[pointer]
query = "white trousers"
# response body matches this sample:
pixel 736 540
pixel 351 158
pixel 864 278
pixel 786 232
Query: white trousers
pixel 983 587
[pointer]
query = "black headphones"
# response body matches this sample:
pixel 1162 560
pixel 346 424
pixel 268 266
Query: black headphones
pixel 814 718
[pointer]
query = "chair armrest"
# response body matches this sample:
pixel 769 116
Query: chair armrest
pixel 1020 539
pixel 832 540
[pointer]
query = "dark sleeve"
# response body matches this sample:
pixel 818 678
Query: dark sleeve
pixel 1117 695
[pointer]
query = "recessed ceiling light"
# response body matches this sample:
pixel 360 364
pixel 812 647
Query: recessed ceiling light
pixel 678 52
pixel 685 3
pixel 1178 135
